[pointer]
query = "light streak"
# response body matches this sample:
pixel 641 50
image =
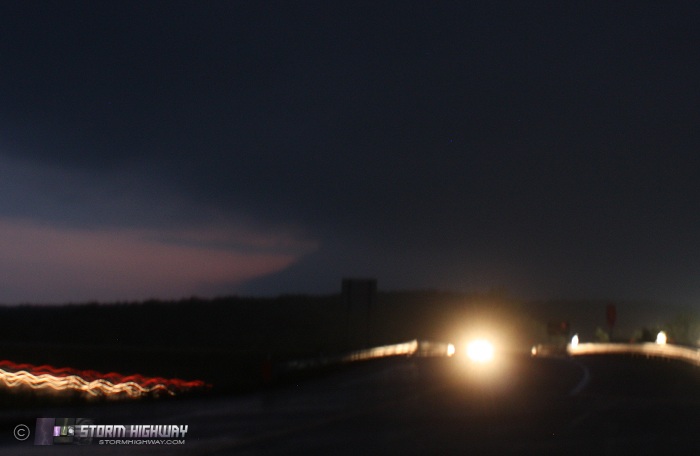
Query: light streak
pixel 406 348
pixel 649 349
pixel 92 383
pixel 411 348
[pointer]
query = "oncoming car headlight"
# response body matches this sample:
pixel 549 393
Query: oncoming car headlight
pixel 480 351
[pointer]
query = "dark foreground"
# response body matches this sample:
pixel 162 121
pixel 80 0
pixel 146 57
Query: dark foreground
pixel 589 405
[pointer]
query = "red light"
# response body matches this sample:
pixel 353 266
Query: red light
pixel 91 382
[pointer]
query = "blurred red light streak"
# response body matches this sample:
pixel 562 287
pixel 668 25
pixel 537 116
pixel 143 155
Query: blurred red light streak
pixel 91 382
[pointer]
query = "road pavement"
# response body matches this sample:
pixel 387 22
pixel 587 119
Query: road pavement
pixel 602 404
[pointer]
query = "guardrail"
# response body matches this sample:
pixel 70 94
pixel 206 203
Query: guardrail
pixel 686 354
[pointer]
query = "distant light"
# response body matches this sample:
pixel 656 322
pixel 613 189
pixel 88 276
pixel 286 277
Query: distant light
pixel 574 341
pixel 450 349
pixel 661 338
pixel 480 351
pixel 533 350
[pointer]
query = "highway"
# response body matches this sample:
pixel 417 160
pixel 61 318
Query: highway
pixel 597 404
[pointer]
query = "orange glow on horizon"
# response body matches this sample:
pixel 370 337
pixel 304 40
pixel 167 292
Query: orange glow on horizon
pixel 45 264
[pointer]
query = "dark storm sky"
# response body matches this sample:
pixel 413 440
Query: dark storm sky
pixel 173 148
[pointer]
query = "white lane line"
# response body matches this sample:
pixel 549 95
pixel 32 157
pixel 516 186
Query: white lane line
pixel 583 382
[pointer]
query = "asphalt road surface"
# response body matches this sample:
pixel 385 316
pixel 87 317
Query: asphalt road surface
pixel 587 405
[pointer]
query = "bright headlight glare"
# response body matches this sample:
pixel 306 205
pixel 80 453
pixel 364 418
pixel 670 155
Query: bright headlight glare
pixel 480 351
